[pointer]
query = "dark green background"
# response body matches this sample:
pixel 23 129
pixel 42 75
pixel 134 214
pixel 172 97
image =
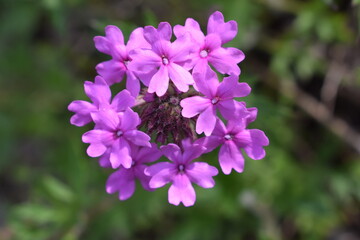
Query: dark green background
pixel 298 54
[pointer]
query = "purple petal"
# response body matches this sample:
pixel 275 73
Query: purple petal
pixel 132 83
pixel 99 92
pixel 172 152
pixel 256 140
pixel 252 114
pixel 146 77
pixel 106 119
pixel 121 181
pixel 181 49
pixel 138 138
pixel 210 142
pixel 159 83
pixel 112 71
pixel 230 88
pixel 137 40
pixel 129 121
pixel 163 32
pixel 180 77
pixel 236 54
pixel 223 62
pixel 230 158
pixel 98 136
pixel 82 111
pixel 143 60
pixel 192 27
pixel 114 35
pixel 231 109
pixel 139 174
pixel 122 101
pixel 207 83
pixel 96 149
pixel 104 160
pixel 162 177
pixel 194 105
pixel 102 44
pixel 220 129
pixel 148 154
pixel 227 31
pixel 212 42
pixel 192 152
pixel 201 66
pixel 158 167
pixel 120 154
pixel 201 173
pixel 206 121
pixel 181 191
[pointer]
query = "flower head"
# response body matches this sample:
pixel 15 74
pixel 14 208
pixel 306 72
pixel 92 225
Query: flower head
pixel 173 97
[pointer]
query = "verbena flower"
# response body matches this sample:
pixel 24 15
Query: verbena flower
pixel 174 105
pixel 113 71
pixel 116 131
pixel 123 179
pixel 181 172
pixel 100 94
pixel 217 96
pixel 208 49
pixel 233 139
pixel 168 58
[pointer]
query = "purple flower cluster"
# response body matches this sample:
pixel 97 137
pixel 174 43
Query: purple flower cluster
pixel 174 105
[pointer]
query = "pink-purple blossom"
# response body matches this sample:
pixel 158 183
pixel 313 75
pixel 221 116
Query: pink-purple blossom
pixel 115 131
pixel 181 172
pixel 100 95
pixel 208 49
pixel 113 71
pixel 123 179
pixel 166 58
pixel 217 96
pixel 234 138
pixel 173 97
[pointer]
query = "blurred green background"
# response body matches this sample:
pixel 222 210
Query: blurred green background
pixel 303 64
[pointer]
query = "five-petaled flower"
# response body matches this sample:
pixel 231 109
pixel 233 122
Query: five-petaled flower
pixel 181 172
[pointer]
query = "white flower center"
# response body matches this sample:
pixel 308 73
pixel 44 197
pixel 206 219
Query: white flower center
pixel 228 137
pixel 119 133
pixel 126 62
pixel 215 100
pixel 181 168
pixel 203 53
pixel 165 60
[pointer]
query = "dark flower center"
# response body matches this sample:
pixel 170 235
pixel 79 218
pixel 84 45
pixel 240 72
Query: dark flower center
pixel 162 118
